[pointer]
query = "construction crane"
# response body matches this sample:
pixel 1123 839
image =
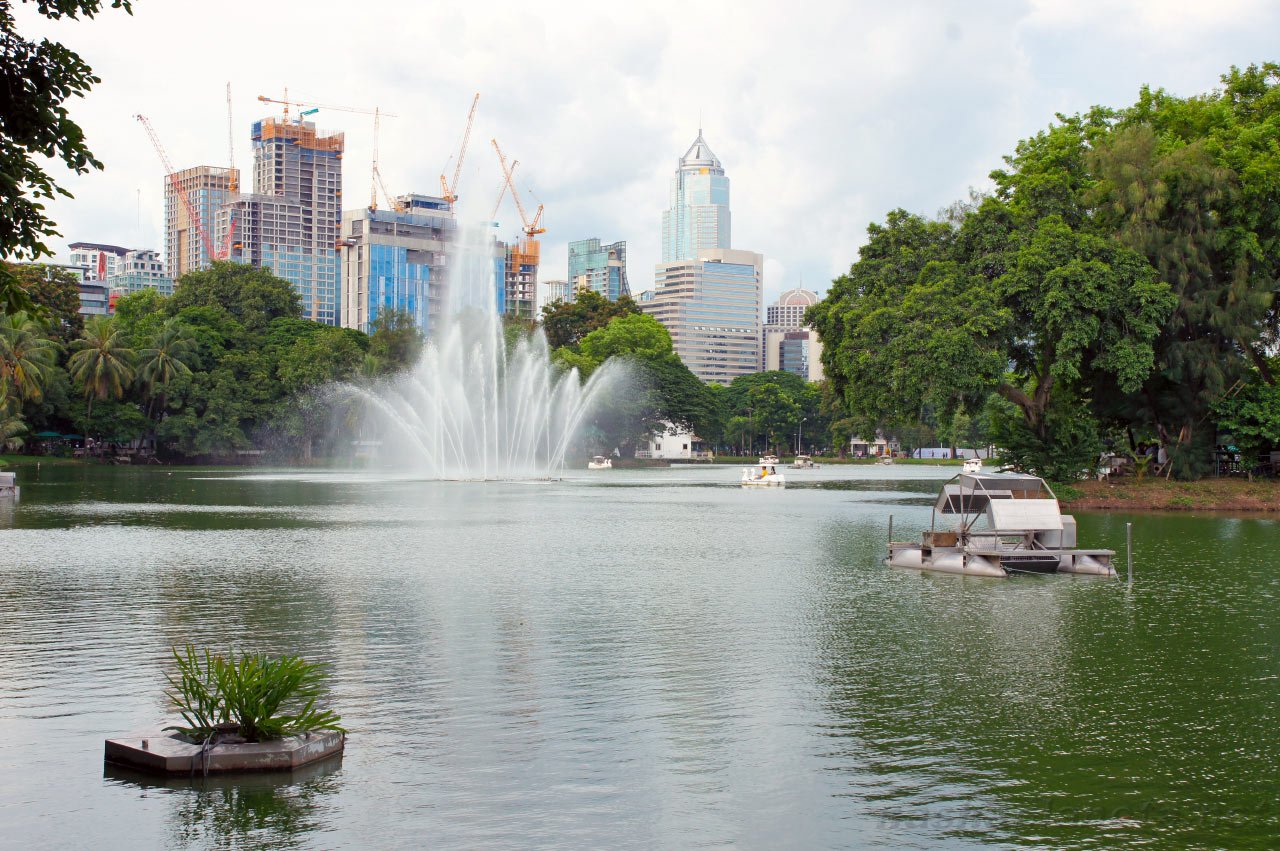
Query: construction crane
pixel 531 227
pixel 375 181
pixel 193 216
pixel 449 189
pixel 502 193
pixel 231 146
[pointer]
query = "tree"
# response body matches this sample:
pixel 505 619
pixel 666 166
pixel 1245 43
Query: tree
pixel 102 363
pixel 567 322
pixel 55 292
pixel 12 426
pixel 253 296
pixel 166 358
pixel 396 340
pixel 1250 417
pixel 634 334
pixel 1173 203
pixel 36 80
pixel 908 327
pixel 26 356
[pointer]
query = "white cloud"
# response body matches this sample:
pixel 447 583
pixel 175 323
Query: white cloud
pixel 826 115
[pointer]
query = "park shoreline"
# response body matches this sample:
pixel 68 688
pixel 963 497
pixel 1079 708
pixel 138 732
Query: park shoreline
pixel 1154 494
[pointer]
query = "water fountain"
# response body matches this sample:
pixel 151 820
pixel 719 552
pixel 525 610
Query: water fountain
pixel 472 408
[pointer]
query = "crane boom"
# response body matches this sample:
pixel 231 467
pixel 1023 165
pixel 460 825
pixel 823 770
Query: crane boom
pixel 450 189
pixel 531 228
pixel 502 192
pixel 192 215
pixel 288 103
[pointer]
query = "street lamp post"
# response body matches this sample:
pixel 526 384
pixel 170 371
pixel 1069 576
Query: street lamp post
pixel 800 436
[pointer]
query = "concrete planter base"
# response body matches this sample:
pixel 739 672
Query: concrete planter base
pixel 165 753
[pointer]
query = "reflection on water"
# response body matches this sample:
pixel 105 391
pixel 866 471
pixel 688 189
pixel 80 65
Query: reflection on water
pixel 636 659
pixel 245 810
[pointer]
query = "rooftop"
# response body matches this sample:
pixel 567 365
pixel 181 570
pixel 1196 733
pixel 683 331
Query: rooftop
pixel 699 155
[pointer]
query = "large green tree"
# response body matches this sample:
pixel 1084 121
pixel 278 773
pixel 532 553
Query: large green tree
pixel 37 78
pixel 252 296
pixel 567 322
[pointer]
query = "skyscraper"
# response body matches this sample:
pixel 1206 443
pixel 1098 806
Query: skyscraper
pixel 209 190
pixel 789 344
pixel 599 268
pixel 292 222
pixel 711 308
pixel 698 217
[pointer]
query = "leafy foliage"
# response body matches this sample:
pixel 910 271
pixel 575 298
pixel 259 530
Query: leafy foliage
pixel 566 323
pixel 267 698
pixel 36 81
pixel 1128 261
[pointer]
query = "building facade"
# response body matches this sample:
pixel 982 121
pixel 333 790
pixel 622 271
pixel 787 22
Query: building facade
pixel 787 344
pixel 396 260
pixel 209 190
pixel 140 269
pixel 292 222
pixel 100 261
pixel 599 268
pixel 558 291
pixel 520 277
pixel 698 216
pixel 711 306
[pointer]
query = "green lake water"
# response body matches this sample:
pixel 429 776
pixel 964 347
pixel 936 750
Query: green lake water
pixel 635 659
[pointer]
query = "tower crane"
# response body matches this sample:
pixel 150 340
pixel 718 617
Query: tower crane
pixel 193 216
pixel 231 146
pixel 531 228
pixel 449 189
pixel 375 181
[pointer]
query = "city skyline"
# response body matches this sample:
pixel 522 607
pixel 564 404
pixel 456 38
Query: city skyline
pixel 876 109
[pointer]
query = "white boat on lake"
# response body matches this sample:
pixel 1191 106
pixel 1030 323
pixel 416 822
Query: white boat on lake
pixel 763 476
pixel 973 465
pixel 804 462
pixel 600 462
pixel 1004 524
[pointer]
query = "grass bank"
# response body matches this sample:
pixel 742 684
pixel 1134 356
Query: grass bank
pixel 32 460
pixel 1163 495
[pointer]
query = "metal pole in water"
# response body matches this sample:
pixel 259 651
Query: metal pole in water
pixel 1128 541
pixel 890 528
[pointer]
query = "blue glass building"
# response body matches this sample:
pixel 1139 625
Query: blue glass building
pixel 599 268
pixel 698 217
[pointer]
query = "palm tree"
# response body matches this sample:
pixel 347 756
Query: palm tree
pixel 102 362
pixel 164 360
pixel 11 424
pixel 26 355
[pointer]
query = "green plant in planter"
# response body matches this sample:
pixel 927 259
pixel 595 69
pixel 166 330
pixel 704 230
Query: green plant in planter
pixel 263 698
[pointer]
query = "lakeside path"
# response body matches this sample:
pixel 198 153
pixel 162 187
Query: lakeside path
pixel 1162 495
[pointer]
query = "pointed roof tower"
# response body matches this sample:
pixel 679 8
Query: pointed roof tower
pixel 699 155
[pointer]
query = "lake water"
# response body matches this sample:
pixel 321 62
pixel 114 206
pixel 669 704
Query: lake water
pixel 635 659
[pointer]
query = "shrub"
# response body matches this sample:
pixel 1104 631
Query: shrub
pixel 264 698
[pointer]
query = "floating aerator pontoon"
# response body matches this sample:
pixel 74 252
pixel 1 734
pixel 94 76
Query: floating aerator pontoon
pixel 1025 531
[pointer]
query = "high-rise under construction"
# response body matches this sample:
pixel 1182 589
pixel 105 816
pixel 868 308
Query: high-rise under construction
pixel 208 189
pixel 292 222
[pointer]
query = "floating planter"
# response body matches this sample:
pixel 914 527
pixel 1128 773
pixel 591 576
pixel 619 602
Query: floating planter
pixel 246 713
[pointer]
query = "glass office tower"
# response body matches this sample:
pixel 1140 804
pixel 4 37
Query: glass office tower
pixel 698 217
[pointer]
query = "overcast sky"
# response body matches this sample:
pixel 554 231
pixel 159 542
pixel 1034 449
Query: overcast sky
pixel 825 114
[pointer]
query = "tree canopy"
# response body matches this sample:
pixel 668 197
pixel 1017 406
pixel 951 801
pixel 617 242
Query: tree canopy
pixel 37 78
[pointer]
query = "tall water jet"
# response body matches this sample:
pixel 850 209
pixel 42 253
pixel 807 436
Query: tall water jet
pixel 473 408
